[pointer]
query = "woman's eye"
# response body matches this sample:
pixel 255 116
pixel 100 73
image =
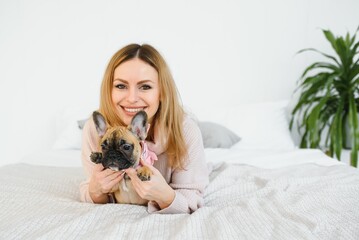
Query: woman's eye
pixel 145 87
pixel 121 86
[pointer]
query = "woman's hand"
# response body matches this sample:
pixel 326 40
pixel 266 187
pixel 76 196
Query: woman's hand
pixel 156 189
pixel 102 182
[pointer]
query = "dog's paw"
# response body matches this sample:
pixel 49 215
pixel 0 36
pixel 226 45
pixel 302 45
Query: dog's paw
pixel 96 157
pixel 144 173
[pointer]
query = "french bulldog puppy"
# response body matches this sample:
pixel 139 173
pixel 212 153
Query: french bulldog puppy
pixel 121 148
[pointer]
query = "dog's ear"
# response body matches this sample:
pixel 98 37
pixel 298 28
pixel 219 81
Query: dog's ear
pixel 139 125
pixel 100 123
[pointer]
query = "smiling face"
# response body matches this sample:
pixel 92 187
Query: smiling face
pixel 135 87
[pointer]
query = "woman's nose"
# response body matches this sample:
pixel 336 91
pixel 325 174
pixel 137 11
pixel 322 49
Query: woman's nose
pixel 132 96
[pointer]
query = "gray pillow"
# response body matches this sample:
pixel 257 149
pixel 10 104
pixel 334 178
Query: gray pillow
pixel 217 136
pixel 81 123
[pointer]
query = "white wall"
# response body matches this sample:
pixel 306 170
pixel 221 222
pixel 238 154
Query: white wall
pixel 224 52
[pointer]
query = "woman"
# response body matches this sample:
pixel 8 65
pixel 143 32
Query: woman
pixel 137 78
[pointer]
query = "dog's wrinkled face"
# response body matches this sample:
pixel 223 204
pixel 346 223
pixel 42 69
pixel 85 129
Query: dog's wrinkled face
pixel 121 145
pixel 120 149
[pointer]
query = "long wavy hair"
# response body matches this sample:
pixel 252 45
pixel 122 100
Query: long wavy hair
pixel 168 121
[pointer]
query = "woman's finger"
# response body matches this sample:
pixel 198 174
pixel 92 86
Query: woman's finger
pixel 117 177
pixel 111 180
pixel 107 176
pixel 120 175
pixel 136 181
pixel 144 163
pixel 108 172
pixel 132 173
pixel 98 167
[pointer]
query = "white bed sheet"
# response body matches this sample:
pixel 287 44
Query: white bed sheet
pixel 299 194
pixel 269 159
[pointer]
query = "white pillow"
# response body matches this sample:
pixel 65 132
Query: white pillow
pixel 261 125
pixel 69 138
pixel 68 133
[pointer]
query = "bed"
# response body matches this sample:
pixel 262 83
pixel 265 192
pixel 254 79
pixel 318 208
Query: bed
pixel 256 191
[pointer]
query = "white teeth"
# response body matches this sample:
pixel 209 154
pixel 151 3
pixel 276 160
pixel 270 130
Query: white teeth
pixel 133 109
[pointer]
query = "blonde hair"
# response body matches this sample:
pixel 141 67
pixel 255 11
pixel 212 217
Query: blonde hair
pixel 168 120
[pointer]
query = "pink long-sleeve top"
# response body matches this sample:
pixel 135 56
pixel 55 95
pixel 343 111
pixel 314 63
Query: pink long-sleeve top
pixel 189 184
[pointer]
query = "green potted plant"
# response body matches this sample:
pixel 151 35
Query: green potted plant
pixel 329 98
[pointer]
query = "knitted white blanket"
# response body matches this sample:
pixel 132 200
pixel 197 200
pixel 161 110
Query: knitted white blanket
pixel 305 201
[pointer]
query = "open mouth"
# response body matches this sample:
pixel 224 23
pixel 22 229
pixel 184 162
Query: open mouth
pixel 133 109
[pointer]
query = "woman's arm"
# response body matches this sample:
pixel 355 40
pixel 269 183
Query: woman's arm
pixel 156 189
pixel 189 184
pixel 184 193
pixel 88 145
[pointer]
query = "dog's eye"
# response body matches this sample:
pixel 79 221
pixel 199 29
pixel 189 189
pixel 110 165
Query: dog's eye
pixel 127 147
pixel 104 145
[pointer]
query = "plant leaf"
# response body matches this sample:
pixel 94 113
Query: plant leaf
pixel 330 37
pixel 329 93
pixel 312 124
pixel 337 130
pixel 353 122
pixel 322 53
